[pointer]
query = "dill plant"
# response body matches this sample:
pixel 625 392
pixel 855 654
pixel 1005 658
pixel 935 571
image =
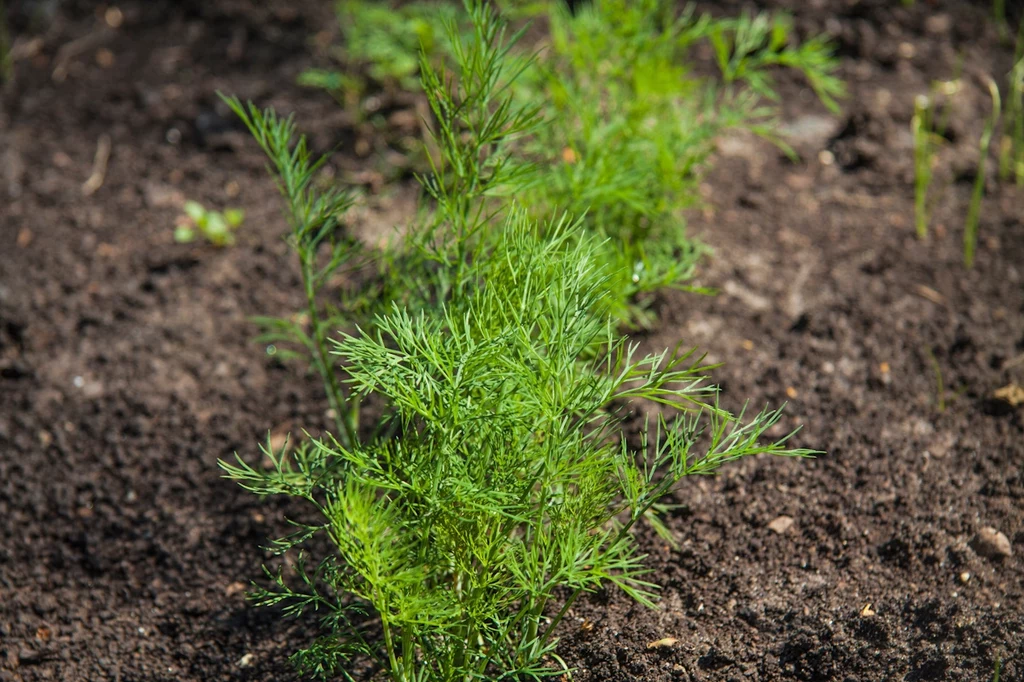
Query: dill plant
pixel 631 129
pixel 511 488
pixel 323 250
pixel 502 485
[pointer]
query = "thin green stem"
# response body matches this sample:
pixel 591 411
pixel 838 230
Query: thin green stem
pixel 974 209
pixel 6 62
pixel 323 360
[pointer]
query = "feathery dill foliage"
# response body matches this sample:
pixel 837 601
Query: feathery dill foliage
pixel 475 171
pixel 507 487
pixel 511 488
pixel 314 218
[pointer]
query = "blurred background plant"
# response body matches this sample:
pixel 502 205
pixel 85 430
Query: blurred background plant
pixel 631 128
pixel 382 44
pixel 216 227
pixel 6 60
pixel 1011 149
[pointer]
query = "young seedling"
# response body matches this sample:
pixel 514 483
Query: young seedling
pixel 217 228
pixel 321 248
pixel 1011 152
pixel 929 137
pixel 6 61
pixel 974 208
pixel 940 386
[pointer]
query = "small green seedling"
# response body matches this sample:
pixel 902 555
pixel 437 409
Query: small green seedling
pixel 6 61
pixel 974 209
pixel 218 228
pixel 1011 151
pixel 929 137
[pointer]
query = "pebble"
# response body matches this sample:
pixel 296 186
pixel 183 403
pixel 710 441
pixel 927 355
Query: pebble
pixel 662 643
pixel 245 661
pixel 159 195
pixel 992 544
pixel 781 524
pixel 812 130
pixel 937 24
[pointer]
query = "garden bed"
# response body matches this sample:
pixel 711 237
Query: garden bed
pixel 127 367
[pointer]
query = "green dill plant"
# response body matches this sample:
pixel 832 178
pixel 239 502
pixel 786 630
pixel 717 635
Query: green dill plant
pixel 511 488
pixel 503 485
pixel 630 129
pixel 322 249
pixel 978 191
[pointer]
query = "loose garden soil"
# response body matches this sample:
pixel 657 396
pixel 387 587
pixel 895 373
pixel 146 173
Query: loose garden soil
pixel 127 367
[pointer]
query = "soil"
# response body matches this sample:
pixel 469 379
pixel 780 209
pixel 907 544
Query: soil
pixel 127 367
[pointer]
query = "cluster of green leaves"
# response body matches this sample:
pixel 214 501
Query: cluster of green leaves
pixel 323 251
pixel 631 129
pixel 500 484
pixel 216 227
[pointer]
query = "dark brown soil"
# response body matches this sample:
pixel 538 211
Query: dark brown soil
pixel 126 368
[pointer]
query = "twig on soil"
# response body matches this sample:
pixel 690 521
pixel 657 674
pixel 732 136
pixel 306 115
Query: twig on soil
pixel 70 50
pixel 930 294
pixel 99 166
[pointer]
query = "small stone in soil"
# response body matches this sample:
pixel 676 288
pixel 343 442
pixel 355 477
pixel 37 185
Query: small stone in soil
pixel 992 544
pixel 781 524
pixel 665 642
